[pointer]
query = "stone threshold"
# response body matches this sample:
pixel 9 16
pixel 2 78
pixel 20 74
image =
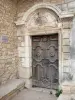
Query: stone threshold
pixel 12 88
pixel 43 90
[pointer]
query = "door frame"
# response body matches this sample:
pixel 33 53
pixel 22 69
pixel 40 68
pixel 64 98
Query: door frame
pixel 24 48
pixel 58 31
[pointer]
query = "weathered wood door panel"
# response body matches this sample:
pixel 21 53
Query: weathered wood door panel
pixel 45 61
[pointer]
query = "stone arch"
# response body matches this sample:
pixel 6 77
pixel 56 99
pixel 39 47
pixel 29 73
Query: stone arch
pixel 42 5
pixel 22 19
pixel 42 17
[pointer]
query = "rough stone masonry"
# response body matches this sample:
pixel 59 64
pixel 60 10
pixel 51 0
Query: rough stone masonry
pixel 8 41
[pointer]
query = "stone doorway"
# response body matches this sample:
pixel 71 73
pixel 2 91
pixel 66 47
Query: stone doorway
pixel 45 61
pixel 43 19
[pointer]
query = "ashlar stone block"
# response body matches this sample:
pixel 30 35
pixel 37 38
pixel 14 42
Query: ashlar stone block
pixel 65 33
pixel 66 42
pixel 66 56
pixel 66 49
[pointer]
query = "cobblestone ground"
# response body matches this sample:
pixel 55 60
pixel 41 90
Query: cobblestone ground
pixel 34 95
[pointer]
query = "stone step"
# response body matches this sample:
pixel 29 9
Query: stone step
pixel 66 97
pixel 10 89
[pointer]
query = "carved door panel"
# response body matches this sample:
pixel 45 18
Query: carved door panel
pixel 45 61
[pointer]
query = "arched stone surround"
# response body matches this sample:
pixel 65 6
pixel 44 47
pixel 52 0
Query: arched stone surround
pixel 25 30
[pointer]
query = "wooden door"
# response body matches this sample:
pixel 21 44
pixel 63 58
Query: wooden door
pixel 45 61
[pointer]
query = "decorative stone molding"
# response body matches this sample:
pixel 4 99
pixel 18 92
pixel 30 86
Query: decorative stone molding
pixel 22 17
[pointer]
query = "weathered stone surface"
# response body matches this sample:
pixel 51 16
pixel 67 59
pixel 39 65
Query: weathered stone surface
pixel 66 42
pixel 67 24
pixel 35 94
pixel 64 97
pixel 65 33
pixel 24 5
pixel 8 41
pixel 10 89
pixel 64 5
pixel 66 56
pixel 66 49
pixel 68 87
pixel 71 5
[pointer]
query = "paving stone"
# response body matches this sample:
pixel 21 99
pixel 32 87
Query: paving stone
pixel 7 90
pixel 29 94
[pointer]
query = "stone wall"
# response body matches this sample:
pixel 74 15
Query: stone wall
pixel 24 5
pixel 66 30
pixel 8 41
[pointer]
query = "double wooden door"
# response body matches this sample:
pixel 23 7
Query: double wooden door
pixel 45 61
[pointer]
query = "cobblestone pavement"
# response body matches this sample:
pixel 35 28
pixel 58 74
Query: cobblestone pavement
pixel 27 94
